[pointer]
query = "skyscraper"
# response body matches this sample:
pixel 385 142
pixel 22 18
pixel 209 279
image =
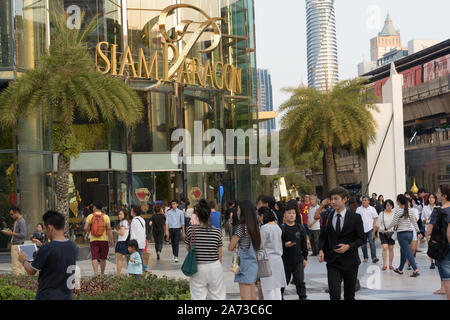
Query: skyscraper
pixel 323 70
pixel 265 98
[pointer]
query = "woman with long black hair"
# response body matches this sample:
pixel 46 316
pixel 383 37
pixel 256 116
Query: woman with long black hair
pixel 405 221
pixel 246 240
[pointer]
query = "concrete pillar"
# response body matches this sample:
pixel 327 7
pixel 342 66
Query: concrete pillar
pixel 384 166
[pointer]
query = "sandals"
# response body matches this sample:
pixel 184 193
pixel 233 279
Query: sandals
pixel 415 274
pixel 439 292
pixel 384 268
pixel 391 268
pixel 398 271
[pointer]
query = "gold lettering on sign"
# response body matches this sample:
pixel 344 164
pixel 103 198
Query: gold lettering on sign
pixel 166 47
pixel 207 73
pixel 176 65
pixel 114 59
pixel 127 60
pixel 183 73
pixel 103 57
pixel 142 62
pixel 195 72
pixel 218 66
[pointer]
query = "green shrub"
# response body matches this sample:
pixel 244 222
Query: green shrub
pixel 16 293
pixel 104 288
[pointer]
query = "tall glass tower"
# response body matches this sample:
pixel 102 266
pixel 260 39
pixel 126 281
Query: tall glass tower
pixel 321 44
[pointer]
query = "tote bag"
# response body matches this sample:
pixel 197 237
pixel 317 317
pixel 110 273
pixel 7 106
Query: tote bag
pixel 264 270
pixel 189 267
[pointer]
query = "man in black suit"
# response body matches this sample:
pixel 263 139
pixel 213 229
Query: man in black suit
pixel 338 244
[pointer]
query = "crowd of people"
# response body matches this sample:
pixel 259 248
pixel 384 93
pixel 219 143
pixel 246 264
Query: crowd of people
pixel 271 241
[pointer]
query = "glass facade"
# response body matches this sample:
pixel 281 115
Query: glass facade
pixel 117 161
pixel 427 146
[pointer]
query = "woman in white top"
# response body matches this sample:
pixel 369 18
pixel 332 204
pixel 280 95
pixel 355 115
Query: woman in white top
pixel 121 247
pixel 383 221
pixel 430 204
pixel 413 204
pixel 272 244
pixel 403 218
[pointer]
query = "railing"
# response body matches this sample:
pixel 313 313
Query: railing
pixel 426 90
pixel 431 139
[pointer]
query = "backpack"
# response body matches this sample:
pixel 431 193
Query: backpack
pixel 98 225
pixel 438 244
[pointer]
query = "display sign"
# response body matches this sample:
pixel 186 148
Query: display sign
pixel 196 193
pixel 180 68
pixel 143 194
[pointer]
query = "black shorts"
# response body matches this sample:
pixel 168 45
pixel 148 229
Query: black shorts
pixel 386 240
pixel 121 247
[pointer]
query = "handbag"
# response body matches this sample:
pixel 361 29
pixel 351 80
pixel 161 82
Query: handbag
pixel 235 263
pixel 264 270
pixel 388 234
pixel 189 267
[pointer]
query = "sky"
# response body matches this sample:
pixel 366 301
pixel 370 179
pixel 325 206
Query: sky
pixel 281 34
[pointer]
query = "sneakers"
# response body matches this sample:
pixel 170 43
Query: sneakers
pixel 375 260
pixel 433 266
pixel 409 267
pixel 175 259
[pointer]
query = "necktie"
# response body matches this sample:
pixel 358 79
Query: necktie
pixel 338 224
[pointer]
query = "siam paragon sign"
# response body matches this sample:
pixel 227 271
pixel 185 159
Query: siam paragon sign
pixel 179 67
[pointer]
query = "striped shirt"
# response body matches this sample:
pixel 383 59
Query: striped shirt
pixel 244 237
pixel 404 224
pixel 207 241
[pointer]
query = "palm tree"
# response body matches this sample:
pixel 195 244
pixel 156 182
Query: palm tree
pixel 340 119
pixel 309 161
pixel 66 84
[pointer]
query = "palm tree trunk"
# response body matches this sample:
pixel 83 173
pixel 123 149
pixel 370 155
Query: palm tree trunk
pixel 313 181
pixel 62 189
pixel 330 168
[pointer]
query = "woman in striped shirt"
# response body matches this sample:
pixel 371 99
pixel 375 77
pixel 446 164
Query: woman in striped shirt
pixel 405 221
pixel 208 251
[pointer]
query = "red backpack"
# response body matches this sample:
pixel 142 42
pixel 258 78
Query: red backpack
pixel 97 225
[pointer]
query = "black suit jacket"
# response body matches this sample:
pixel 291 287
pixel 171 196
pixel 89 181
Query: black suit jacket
pixel 352 234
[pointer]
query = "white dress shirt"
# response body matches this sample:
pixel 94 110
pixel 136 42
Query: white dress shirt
pixel 342 213
pixel 368 215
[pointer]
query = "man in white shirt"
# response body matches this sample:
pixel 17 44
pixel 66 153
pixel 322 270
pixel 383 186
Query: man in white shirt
pixel 369 217
pixel 137 231
pixel 313 226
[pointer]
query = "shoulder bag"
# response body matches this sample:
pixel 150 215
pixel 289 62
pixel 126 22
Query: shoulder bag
pixel 189 267
pixel 264 270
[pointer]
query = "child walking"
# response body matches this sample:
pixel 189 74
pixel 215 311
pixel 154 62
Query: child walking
pixel 135 264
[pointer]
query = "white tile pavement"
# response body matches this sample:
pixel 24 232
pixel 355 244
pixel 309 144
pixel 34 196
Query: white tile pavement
pixel 384 285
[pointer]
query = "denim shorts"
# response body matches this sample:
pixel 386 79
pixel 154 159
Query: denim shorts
pixel 248 266
pixel 444 267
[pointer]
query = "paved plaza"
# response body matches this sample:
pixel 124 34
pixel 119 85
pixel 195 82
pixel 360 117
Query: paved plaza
pixel 388 286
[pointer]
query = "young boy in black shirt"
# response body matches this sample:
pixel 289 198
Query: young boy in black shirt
pixel 56 261
pixel 295 251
